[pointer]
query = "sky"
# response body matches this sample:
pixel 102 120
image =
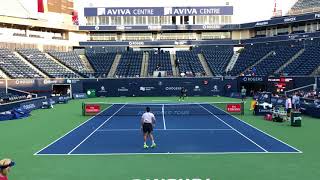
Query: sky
pixel 244 10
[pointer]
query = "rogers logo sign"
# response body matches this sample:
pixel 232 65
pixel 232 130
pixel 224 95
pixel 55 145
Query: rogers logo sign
pixel 234 107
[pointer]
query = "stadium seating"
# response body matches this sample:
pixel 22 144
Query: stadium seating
pixel 248 56
pixel 280 56
pixel 189 63
pixel 71 60
pixel 218 58
pixel 101 62
pixel 15 67
pixel 306 63
pixel 8 97
pixel 161 60
pixel 105 49
pixel 305 4
pixel 130 64
pixel 46 65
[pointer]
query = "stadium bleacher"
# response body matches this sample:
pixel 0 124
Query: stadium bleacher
pixel 15 67
pixel 189 63
pixel 306 5
pixel 306 63
pixel 46 65
pixel 159 61
pixel 130 64
pixel 248 56
pixel 8 97
pixel 101 62
pixel 71 60
pixel 217 58
pixel 280 55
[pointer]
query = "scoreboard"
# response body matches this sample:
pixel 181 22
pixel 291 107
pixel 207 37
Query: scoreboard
pixel 280 84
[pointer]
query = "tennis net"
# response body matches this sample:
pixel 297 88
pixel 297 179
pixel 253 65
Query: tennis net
pixel 179 109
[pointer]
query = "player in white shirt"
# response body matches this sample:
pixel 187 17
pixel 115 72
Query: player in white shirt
pixel 148 121
pixel 288 105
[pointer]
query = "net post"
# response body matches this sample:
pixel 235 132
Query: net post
pixel 242 108
pixel 83 105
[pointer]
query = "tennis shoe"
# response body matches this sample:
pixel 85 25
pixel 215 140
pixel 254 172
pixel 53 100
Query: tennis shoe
pixel 145 146
pixel 153 145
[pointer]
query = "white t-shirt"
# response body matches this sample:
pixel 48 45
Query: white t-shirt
pixel 295 99
pixel 148 117
pixel 288 103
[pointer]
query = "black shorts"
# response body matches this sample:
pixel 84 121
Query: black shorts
pixel 147 128
pixel 289 110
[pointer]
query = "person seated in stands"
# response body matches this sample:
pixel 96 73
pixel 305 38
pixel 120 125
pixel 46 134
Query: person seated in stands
pixel 29 96
pixel 158 67
pixel 177 62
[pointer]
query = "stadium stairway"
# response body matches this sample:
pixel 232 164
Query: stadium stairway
pixel 86 63
pixel 3 75
pixel 175 69
pixel 30 65
pixel 114 66
pixel 144 67
pixel 62 65
pixel 290 61
pixel 205 65
pixel 260 60
pixel 232 62
pixel 316 71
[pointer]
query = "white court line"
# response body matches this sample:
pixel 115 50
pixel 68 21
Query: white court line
pixel 260 130
pixel 116 130
pixel 189 153
pixel 234 129
pixel 96 129
pixel 163 119
pixel 72 130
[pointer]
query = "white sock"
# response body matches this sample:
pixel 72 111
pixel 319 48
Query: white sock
pixel 153 142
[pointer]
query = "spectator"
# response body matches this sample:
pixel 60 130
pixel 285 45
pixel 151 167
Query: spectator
pixel 5 166
pixel 29 96
pixel 296 101
pixel 177 62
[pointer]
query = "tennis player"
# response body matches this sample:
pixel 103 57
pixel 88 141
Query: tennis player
pixel 148 122
pixel 183 94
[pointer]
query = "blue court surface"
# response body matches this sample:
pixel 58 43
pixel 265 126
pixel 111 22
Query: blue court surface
pixel 191 129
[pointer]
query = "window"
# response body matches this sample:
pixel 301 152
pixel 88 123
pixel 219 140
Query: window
pixel 92 20
pixel 165 20
pixel 128 20
pixel 141 20
pixel 115 20
pixel 103 20
pixel 153 20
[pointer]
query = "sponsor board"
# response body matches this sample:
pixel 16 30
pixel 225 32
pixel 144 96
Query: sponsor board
pixel 25 81
pixel 123 89
pixel 142 88
pixel 234 108
pixel 80 96
pixel 172 88
pixel 92 108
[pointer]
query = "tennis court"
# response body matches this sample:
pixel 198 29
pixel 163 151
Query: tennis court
pixel 198 128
